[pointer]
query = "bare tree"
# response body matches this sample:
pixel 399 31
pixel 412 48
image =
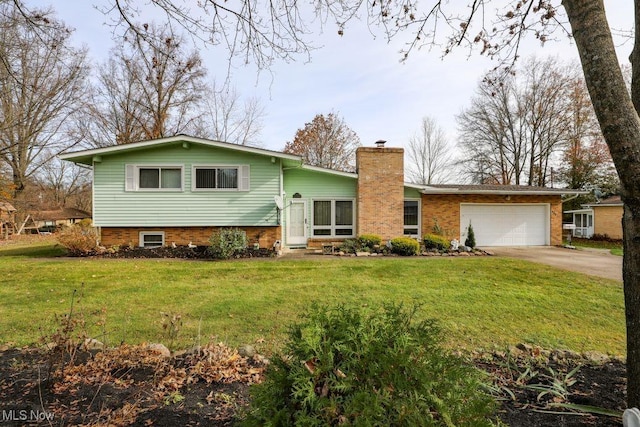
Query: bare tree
pixel 326 142
pixel 429 154
pixel 226 117
pixel 516 124
pixel 150 89
pixel 59 182
pixel 111 115
pixel 42 81
pixel 545 107
pixel 264 32
pixel 586 156
pixel 491 137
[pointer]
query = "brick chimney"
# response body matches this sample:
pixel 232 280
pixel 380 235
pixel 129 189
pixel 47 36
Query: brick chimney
pixel 380 205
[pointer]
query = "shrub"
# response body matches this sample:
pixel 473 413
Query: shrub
pixel 368 367
pixel 368 241
pixel 433 241
pixel 350 246
pixel 471 237
pixel 227 242
pixel 79 239
pixel 405 246
pixel 436 229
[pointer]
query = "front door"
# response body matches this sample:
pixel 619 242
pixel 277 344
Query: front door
pixel 297 223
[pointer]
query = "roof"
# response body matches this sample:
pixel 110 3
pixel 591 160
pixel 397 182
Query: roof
pixel 65 213
pixel 496 189
pixel 7 207
pixel 609 201
pixel 87 157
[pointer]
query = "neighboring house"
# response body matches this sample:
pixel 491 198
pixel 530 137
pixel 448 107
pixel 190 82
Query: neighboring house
pixel 603 218
pixel 59 217
pixel 180 189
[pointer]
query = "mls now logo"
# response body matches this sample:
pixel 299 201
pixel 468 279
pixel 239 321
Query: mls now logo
pixel 28 415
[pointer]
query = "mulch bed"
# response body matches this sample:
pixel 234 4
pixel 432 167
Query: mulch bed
pixel 180 252
pixel 134 385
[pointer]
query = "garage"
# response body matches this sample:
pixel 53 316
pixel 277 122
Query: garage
pixel 506 224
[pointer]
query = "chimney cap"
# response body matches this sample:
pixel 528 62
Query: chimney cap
pixel 380 143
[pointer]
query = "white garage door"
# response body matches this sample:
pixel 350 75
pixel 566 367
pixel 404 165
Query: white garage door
pixel 506 224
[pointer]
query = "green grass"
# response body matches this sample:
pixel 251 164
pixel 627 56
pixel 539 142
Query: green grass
pixel 482 302
pixel 615 247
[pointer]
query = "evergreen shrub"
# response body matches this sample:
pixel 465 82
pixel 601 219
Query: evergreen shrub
pixel 405 246
pixel 368 367
pixel 434 241
pixel 227 242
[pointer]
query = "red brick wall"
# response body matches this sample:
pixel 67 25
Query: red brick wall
pixel 380 200
pixel 446 209
pixel 110 236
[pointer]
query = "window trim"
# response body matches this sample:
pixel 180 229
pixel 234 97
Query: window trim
pixel 143 234
pixel 419 225
pixel 332 228
pixel 132 176
pixel 243 177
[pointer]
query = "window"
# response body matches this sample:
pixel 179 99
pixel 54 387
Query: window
pixel 220 178
pixel 166 178
pixel 412 218
pixel 584 223
pixel 333 218
pixel 151 239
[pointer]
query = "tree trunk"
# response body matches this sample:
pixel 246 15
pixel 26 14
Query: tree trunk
pixel 621 129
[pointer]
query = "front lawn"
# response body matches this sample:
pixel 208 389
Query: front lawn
pixel 481 301
pixel 614 246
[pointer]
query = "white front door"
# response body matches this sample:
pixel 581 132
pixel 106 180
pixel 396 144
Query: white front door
pixel 297 223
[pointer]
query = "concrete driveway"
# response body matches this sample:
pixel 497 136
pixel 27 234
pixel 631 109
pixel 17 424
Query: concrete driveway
pixel 595 262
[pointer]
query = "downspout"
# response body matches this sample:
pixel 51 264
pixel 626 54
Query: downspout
pixel 571 198
pixel 282 211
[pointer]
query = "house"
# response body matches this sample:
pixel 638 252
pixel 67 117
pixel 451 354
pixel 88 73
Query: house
pixel 58 217
pixel 180 189
pixel 603 218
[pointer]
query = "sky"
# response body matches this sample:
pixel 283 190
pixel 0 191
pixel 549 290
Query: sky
pixel 358 76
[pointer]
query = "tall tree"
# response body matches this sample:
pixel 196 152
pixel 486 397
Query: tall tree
pixel 42 82
pixel 277 29
pixel 490 135
pixel 428 154
pixel 150 89
pixel 59 183
pixel 515 124
pixel 586 163
pixel 227 117
pixel 113 111
pixel 326 142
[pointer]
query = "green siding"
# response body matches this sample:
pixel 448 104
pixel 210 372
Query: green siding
pixel 412 193
pixel 113 206
pixel 313 185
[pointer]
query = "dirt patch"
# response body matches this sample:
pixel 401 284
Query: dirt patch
pixel 131 385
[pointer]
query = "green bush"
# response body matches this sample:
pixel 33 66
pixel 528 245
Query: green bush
pixel 433 241
pixel 368 367
pixel 368 241
pixel 227 242
pixel 471 237
pixel 350 246
pixel 405 246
